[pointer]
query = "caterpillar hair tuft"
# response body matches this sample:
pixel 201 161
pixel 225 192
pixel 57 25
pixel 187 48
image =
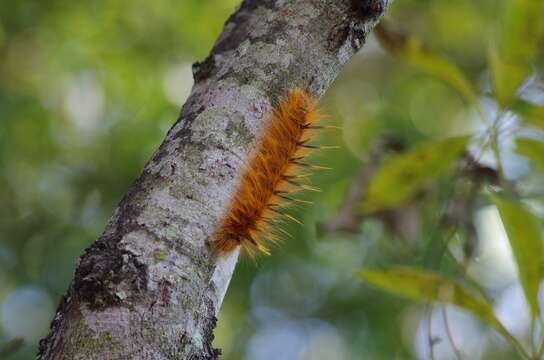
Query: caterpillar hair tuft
pixel 271 177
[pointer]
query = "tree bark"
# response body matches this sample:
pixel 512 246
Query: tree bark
pixel 149 287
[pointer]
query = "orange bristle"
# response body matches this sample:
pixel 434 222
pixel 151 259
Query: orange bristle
pixel 270 175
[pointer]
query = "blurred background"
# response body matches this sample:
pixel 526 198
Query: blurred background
pixel 89 89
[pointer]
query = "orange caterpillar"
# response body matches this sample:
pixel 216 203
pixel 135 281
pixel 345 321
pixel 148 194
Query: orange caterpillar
pixel 270 176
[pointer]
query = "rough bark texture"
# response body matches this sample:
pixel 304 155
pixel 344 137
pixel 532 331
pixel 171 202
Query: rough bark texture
pixel 149 287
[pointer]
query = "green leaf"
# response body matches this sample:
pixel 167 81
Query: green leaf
pixel 506 77
pixel 521 29
pixel 406 174
pixel 430 287
pixel 534 150
pixel 511 57
pixel 524 234
pixel 532 114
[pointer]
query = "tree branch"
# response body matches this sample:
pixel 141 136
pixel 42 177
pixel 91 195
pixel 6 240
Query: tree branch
pixel 149 287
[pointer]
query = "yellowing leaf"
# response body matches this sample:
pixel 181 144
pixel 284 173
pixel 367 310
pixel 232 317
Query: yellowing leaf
pixel 532 114
pixel 524 234
pixel 406 174
pixel 534 150
pixel 430 287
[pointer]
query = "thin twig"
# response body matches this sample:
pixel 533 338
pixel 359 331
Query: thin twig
pixel 430 340
pixel 457 352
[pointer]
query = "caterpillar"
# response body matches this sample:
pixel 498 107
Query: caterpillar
pixel 273 173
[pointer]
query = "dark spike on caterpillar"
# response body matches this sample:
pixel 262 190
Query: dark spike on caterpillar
pixel 271 174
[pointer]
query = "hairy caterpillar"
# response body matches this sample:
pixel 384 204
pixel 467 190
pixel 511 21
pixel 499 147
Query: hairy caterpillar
pixel 272 174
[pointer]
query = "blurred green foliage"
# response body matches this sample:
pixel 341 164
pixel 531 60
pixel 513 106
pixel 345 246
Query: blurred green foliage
pixel 89 89
pixel 406 174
